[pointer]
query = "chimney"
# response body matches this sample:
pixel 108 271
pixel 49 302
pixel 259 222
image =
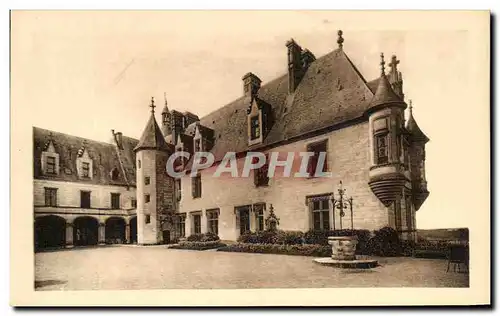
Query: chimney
pixel 251 84
pixel 118 139
pixel 295 69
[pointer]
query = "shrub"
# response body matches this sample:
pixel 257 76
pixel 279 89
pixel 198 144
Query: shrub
pixel 299 250
pixel 198 245
pixel 203 237
pixel 210 237
pixel 385 243
pixel 260 237
pixel 289 237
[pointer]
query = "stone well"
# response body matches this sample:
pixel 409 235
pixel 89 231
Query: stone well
pixel 343 247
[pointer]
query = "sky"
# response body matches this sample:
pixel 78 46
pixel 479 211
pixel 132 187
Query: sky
pixel 85 73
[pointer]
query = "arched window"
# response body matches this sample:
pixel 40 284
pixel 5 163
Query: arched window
pixel 114 174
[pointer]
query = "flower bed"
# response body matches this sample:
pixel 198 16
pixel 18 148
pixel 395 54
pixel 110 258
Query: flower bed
pixel 297 250
pixel 198 245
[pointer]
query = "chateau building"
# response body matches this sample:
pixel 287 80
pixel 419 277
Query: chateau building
pixel 84 191
pixel 319 105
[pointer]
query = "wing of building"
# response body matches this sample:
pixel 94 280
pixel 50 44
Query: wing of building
pixel 84 191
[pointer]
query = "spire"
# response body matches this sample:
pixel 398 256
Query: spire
pixel 152 106
pixel 340 39
pixel 152 137
pixel 413 128
pixel 382 64
pixel 165 108
pixel 385 95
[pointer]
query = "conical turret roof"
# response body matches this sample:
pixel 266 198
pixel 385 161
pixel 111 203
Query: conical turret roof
pixel 152 137
pixel 385 95
pixel 414 130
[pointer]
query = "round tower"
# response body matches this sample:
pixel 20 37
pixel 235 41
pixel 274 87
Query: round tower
pixel 386 125
pixel 155 189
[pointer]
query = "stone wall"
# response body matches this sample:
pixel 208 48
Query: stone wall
pixel 348 160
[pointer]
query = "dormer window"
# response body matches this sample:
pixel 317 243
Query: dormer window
pixel 254 127
pixel 50 166
pixel 114 174
pixel 84 164
pixel 197 145
pixel 50 160
pixel 85 169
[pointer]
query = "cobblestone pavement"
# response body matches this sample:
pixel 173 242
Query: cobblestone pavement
pixel 156 267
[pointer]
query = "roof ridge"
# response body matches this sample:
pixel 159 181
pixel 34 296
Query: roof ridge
pixel 73 136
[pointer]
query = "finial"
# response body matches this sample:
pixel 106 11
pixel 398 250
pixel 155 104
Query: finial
pixel 382 64
pixel 340 39
pixel 152 105
pixel 411 106
pixel 165 97
pixel 394 63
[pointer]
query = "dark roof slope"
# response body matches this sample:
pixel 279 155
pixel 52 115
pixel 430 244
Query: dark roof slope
pixel 385 94
pixel 332 91
pixel 104 157
pixel 152 137
pixel 414 130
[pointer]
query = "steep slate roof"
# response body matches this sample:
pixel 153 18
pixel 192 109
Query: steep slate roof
pixel 385 94
pixel 414 130
pixel 331 92
pixel 152 137
pixel 104 156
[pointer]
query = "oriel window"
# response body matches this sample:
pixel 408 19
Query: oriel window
pixel 382 149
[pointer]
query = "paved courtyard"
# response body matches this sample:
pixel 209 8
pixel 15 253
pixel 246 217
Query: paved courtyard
pixel 156 267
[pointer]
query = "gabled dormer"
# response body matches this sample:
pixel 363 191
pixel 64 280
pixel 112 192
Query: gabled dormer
pixel 202 138
pixel 259 121
pixel 84 165
pixel 50 159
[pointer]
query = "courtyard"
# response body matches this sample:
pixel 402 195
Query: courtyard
pixel 129 267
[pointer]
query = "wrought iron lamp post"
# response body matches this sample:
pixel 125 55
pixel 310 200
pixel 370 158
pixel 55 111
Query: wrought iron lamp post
pixel 342 204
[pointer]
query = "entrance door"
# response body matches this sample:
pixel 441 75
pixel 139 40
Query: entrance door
pixel 244 219
pixel 166 237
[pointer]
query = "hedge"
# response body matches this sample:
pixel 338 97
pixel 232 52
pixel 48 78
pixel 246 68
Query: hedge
pixel 203 237
pixel 297 250
pixel 198 245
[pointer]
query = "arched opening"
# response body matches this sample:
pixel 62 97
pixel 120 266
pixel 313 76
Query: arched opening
pixel 50 231
pixel 133 230
pixel 115 230
pixel 85 231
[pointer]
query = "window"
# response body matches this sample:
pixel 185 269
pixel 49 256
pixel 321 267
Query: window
pixel 51 165
pixel 147 180
pixel 147 198
pixel 50 197
pixel 114 174
pixel 147 219
pixel 139 164
pixel 85 169
pixel 382 152
pixel 115 201
pixel 196 186
pixel 85 199
pixel 133 202
pixel 197 145
pixel 243 218
pixel 178 191
pixel 409 215
pixel 320 213
pixel 254 127
pixel 197 223
pixel 316 148
pixel 259 216
pixel 181 225
pixel 213 221
pixel 260 175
